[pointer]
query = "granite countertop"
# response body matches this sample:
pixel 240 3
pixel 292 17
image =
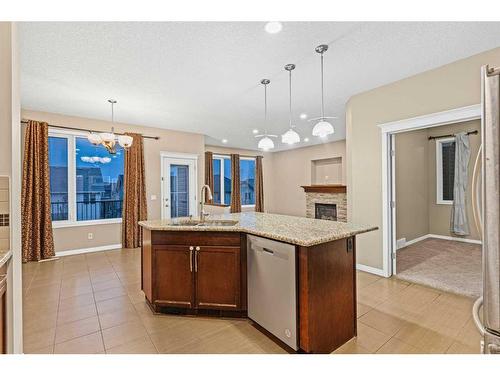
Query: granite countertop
pixel 295 230
pixel 4 256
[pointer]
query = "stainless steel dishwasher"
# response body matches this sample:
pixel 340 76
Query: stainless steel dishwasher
pixel 272 299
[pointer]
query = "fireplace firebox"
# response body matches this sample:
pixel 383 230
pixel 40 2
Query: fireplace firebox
pixel 325 211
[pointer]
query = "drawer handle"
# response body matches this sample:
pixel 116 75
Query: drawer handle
pixel 191 258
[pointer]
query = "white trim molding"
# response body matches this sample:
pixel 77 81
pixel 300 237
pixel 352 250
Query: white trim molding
pixel 453 116
pixel 373 270
pixel 439 170
pixel 88 250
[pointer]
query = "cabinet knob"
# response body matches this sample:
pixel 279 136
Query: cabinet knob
pixel 191 248
pixel 197 248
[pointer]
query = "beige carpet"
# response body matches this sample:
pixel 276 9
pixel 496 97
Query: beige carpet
pixel 447 265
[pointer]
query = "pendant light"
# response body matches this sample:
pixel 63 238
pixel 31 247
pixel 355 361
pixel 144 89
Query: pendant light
pixel 108 140
pixel 290 137
pixel 266 143
pixel 323 127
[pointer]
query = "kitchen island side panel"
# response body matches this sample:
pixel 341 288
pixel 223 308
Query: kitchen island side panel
pixel 327 295
pixel 147 264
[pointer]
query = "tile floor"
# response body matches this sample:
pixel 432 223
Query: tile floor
pixel 93 304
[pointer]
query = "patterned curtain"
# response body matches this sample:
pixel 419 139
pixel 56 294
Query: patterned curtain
pixel 209 174
pixel 259 185
pixel 37 239
pixel 235 183
pixel 134 200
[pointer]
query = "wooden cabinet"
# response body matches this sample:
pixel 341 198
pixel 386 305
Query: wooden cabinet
pixel 192 271
pixel 173 268
pixel 218 277
pixel 3 313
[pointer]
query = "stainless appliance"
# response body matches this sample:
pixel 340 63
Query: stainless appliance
pixel 272 299
pixel 487 213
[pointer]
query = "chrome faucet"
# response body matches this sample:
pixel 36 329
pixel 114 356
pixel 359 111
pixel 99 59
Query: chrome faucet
pixel 202 201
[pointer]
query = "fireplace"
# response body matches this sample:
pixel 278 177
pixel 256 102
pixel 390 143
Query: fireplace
pixel 325 211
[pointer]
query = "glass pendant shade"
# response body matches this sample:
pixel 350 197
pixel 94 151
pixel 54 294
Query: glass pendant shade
pixel 266 144
pixel 125 141
pixel 322 129
pixel 290 137
pixel 94 138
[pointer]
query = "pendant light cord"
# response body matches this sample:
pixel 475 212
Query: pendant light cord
pixel 265 108
pixel 290 92
pixel 322 91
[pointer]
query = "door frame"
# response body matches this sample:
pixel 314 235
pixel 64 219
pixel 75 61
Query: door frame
pixel 164 155
pixel 388 130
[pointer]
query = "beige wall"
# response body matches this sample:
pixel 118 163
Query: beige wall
pixel 439 214
pixel 412 184
pixel 110 234
pixel 451 86
pixel 290 170
pixel 417 212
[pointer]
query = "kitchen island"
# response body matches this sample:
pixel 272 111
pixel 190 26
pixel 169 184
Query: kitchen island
pixel 218 267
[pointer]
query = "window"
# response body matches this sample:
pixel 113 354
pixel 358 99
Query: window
pixel 222 180
pixel 86 181
pixel 445 170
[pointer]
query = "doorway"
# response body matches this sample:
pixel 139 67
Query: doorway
pixel 178 182
pixel 389 152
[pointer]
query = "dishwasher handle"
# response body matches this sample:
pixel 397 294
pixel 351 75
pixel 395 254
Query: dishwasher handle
pixel 262 249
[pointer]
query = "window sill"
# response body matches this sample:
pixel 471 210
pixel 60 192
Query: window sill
pixel 67 224
pixel 248 206
pixel 446 203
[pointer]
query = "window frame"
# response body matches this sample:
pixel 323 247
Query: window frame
pixel 439 170
pixel 71 136
pixel 226 157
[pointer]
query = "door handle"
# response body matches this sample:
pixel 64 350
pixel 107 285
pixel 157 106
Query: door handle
pixel 196 259
pixel 191 258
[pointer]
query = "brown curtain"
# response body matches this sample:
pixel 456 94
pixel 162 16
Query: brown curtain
pixel 37 239
pixel 134 200
pixel 259 185
pixel 209 173
pixel 235 183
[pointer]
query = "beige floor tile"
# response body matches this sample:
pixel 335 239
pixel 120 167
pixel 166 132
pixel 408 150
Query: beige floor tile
pixel 105 285
pixel 122 303
pixel 103 277
pixel 459 348
pixel 123 334
pixel 143 345
pixel 469 335
pixel 77 301
pixel 383 322
pixel 362 309
pixel 76 329
pixel 73 314
pixel 363 279
pixel 33 322
pixel 90 344
pixel 396 346
pixel 352 347
pixel 45 350
pixel 426 339
pixel 118 317
pixel 370 338
pixel 39 339
pixel 109 293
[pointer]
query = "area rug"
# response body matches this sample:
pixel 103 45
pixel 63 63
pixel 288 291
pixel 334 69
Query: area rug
pixel 451 266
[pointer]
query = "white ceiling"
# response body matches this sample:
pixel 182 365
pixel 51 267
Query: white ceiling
pixel 203 77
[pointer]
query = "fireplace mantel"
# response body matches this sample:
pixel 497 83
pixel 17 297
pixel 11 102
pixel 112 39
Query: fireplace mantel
pixel 333 188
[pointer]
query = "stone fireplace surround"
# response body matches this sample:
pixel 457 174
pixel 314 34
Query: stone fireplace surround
pixel 327 194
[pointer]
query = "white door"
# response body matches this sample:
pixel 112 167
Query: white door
pixel 178 187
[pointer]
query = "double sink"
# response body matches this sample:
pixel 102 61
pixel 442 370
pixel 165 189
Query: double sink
pixel 204 223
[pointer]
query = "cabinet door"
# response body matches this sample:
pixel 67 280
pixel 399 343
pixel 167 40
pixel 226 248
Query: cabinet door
pixel 218 277
pixel 173 276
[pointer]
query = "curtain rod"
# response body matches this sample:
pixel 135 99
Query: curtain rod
pixel 451 135
pixel 88 130
pixel 493 71
pixel 243 156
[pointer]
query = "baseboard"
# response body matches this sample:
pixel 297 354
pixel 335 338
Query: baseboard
pixel 440 237
pixel 88 250
pixel 375 271
pixel 459 239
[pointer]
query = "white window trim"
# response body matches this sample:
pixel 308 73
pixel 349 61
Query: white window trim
pixel 72 222
pixel 439 170
pixel 221 158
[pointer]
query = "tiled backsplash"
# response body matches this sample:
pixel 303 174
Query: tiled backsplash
pixel 4 213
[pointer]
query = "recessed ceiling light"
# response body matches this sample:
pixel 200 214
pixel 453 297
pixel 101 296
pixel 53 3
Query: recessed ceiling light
pixel 255 131
pixel 224 140
pixel 303 116
pixel 306 139
pixel 273 27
